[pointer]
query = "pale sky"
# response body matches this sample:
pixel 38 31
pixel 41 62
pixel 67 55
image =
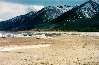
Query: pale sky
pixel 9 10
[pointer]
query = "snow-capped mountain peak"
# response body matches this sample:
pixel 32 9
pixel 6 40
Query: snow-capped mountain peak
pixel 89 8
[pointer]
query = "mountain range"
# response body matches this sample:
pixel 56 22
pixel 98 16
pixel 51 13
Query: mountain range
pixel 79 18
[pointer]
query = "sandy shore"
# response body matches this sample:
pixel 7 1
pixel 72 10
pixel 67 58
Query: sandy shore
pixel 60 50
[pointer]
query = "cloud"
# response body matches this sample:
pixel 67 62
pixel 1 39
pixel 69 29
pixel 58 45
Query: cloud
pixel 10 10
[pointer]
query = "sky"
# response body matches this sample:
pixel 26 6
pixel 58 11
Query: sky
pixel 46 2
pixel 12 8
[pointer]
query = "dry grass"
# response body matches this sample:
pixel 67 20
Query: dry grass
pixel 23 41
pixel 64 50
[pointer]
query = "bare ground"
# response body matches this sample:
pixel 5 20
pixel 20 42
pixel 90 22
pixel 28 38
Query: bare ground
pixel 63 50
